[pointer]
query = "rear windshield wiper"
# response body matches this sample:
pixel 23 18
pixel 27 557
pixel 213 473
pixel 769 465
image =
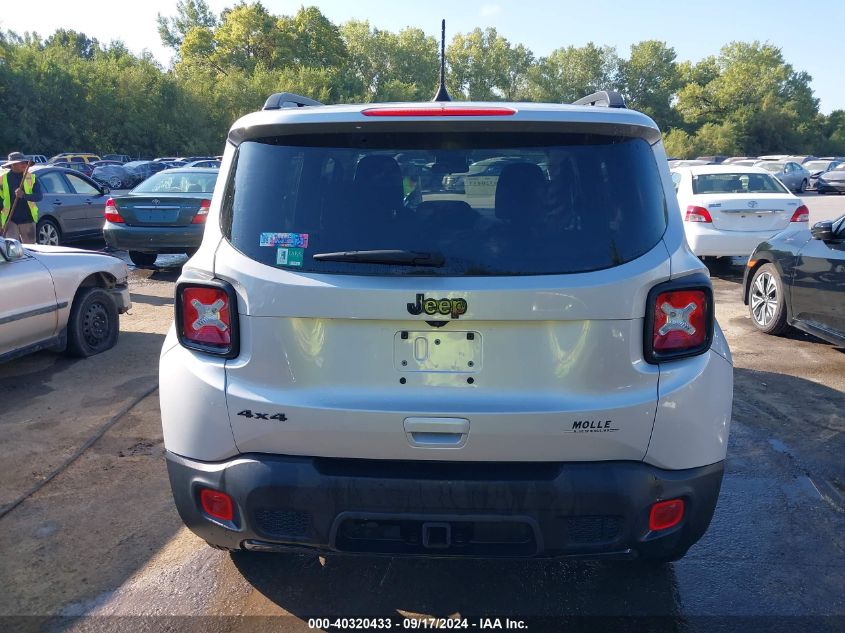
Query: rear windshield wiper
pixel 404 258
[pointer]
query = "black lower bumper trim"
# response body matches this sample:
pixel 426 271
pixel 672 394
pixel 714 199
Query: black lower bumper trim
pixel 373 507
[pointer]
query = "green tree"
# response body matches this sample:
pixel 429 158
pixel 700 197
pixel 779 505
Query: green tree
pixel 189 14
pixel 568 74
pixel 314 42
pixel 247 36
pixel 484 66
pixel 649 80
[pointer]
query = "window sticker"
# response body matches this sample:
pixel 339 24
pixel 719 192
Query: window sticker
pixel 298 240
pixel 290 256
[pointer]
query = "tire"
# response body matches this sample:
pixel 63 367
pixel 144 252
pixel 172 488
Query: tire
pixel 115 182
pixel 93 325
pixel 47 232
pixel 766 303
pixel 803 187
pixel 143 259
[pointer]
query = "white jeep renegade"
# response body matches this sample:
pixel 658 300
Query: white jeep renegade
pixel 525 363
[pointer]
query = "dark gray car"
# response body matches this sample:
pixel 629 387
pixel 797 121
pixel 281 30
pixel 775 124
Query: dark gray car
pixel 72 206
pixel 164 214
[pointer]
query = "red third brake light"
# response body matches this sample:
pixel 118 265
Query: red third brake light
pixel 802 214
pixel 442 110
pixel 697 214
pixel 207 317
pixel 665 514
pixel 112 214
pixel 202 214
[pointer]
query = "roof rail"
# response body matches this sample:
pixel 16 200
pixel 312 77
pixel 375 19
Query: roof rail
pixel 604 98
pixel 288 100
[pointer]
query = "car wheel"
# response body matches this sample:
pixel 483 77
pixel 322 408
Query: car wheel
pixel 93 325
pixel 48 232
pixel 803 186
pixel 766 304
pixel 142 259
pixel 115 182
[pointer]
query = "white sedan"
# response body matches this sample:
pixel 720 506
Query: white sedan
pixel 58 298
pixel 729 209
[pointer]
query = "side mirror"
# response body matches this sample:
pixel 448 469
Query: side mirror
pixel 12 249
pixel 104 189
pixel 822 231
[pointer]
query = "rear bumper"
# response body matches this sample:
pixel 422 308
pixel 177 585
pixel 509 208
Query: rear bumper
pixel 445 509
pixel 153 239
pixel 708 242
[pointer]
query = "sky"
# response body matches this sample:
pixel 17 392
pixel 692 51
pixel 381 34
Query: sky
pixel 810 35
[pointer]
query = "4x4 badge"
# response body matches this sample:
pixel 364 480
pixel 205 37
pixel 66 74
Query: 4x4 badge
pixel 455 307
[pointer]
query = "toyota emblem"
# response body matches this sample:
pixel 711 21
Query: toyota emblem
pixel 752 204
pixel 156 201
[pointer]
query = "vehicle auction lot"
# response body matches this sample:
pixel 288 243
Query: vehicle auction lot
pixel 102 538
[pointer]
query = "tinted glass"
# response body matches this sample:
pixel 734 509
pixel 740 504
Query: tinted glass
pixel 562 204
pixel 52 182
pixel 82 186
pixel 736 183
pixel 169 182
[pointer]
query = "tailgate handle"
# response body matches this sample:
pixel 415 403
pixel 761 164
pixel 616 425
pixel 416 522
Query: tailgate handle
pixel 436 432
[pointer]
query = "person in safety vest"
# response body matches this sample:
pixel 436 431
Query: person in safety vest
pixel 19 195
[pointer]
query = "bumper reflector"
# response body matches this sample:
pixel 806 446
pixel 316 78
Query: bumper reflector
pixel 217 504
pixel 666 514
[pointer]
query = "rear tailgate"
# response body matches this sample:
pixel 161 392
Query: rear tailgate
pixel 159 209
pixel 532 371
pixel 749 212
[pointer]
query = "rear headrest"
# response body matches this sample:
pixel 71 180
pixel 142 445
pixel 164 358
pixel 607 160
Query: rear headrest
pixel 448 214
pixel 520 189
pixel 379 180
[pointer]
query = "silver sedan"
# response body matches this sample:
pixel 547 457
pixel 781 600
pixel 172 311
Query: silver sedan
pixel 790 173
pixel 58 298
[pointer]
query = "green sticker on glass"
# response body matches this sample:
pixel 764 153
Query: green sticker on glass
pixel 290 256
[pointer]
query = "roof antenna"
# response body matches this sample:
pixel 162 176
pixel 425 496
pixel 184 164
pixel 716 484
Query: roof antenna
pixel 442 94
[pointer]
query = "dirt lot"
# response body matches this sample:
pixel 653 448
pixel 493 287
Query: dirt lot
pixel 89 528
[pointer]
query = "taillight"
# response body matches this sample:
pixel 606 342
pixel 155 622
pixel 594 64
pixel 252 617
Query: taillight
pixel 202 214
pixel 441 110
pixel 112 214
pixel 802 214
pixel 697 214
pixel 217 504
pixel 679 319
pixel 207 317
pixel 665 514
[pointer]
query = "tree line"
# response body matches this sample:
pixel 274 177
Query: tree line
pixel 70 92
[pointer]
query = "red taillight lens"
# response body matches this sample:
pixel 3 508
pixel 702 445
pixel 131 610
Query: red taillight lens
pixel 444 110
pixel 207 317
pixel 697 214
pixel 802 214
pixel 666 514
pixel 680 320
pixel 202 214
pixel 112 214
pixel 217 504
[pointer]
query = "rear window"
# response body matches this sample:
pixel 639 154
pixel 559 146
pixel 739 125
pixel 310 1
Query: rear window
pixel 471 203
pixel 169 182
pixel 736 183
pixel 772 167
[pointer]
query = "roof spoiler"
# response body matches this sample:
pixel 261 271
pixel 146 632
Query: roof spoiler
pixel 281 100
pixel 603 98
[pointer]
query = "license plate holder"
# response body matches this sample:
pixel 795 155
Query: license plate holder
pixel 437 352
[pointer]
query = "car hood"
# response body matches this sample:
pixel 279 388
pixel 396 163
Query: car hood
pixel 43 249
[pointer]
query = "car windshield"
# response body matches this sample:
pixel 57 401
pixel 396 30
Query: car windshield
pixel 169 182
pixel 736 183
pixel 771 166
pixel 377 203
pixel 816 165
